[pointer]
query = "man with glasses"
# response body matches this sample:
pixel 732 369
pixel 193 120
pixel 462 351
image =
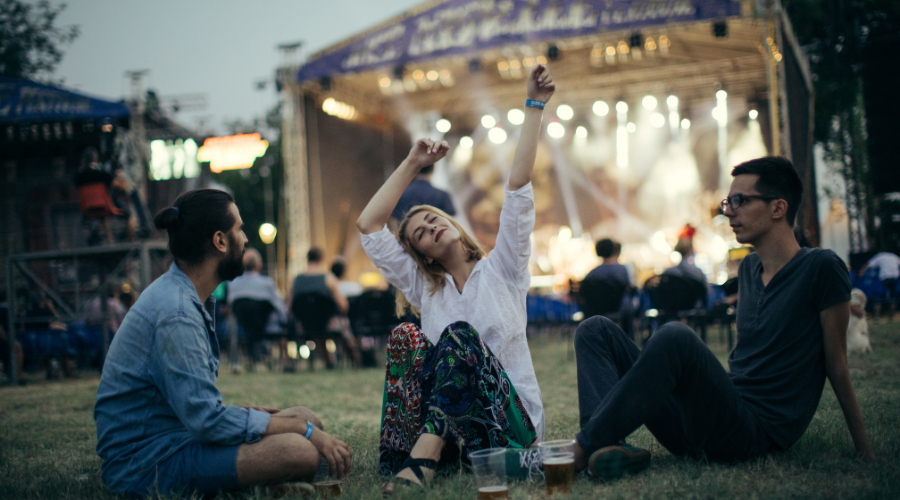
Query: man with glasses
pixel 792 315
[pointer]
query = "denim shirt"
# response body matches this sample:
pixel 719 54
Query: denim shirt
pixel 158 388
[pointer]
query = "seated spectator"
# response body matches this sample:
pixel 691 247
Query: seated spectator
pixel 888 265
pixel 252 285
pixel 686 268
pixel 348 288
pixel 162 428
pixel 318 279
pixel 610 269
pixel 115 313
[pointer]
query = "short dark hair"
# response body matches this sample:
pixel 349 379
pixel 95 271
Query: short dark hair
pixel 605 248
pixel 337 269
pixel 192 221
pixel 777 178
pixel 314 255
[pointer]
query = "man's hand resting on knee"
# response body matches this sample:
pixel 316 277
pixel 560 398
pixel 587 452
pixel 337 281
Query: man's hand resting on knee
pixel 335 451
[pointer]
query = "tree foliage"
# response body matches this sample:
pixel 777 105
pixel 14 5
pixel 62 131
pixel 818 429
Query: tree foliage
pixel 30 41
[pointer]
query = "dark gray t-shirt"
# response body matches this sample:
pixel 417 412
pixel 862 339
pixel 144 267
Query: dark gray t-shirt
pixel 778 364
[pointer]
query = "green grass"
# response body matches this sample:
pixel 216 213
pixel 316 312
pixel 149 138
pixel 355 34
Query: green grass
pixel 47 436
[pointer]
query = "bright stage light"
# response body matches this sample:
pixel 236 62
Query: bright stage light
pixel 497 135
pixel 384 81
pixel 720 95
pixel 672 101
pixel 432 75
pixel 601 108
pixel 565 112
pixel 442 125
pixel 685 124
pixel 267 233
pixel 418 75
pixel 631 127
pixel 304 351
pixel 718 114
pixel 515 116
pixel 657 120
pixel 556 130
pixel 753 114
pixel 466 142
pixel 622 107
pixel 581 132
pixel 649 102
pixel 488 121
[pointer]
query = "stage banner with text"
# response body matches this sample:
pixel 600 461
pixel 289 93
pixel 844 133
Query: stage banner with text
pixel 459 27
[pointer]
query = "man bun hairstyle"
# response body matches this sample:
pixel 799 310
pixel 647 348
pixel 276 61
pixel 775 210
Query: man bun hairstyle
pixel 192 221
pixel 778 179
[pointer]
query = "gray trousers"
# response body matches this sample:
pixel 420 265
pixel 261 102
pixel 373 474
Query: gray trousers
pixel 675 386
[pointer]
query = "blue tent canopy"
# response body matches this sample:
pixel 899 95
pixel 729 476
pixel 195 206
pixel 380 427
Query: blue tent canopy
pixel 28 101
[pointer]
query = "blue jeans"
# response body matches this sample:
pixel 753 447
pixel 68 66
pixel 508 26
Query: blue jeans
pixel 675 386
pixel 197 468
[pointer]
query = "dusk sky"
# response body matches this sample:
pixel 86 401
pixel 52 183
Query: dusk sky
pixel 219 48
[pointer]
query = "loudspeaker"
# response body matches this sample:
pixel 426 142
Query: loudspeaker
pixel 880 76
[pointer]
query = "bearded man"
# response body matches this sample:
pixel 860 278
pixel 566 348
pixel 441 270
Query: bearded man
pixel 161 425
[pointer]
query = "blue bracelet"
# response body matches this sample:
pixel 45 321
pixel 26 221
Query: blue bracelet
pixel 309 430
pixel 531 103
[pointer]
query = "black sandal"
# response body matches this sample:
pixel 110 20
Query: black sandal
pixel 415 465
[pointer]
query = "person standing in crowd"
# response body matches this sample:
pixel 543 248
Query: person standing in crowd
pixel 161 426
pixel 609 269
pixel 318 280
pixel 421 192
pixel 792 317
pixel 252 285
pixel 454 386
pixel 888 265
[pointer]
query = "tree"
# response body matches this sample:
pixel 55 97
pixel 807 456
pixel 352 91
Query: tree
pixel 30 42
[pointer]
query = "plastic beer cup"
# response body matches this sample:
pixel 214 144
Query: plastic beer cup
pixel 490 473
pixel 558 458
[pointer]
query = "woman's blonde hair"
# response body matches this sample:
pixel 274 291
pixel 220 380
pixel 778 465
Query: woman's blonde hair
pixel 434 272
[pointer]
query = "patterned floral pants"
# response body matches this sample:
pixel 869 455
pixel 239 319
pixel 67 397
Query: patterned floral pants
pixel 456 390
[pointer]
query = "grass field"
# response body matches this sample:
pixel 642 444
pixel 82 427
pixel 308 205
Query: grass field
pixel 47 436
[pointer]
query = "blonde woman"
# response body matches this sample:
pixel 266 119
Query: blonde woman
pixel 465 381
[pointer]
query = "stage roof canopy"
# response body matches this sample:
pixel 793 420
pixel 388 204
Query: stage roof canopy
pixel 463 57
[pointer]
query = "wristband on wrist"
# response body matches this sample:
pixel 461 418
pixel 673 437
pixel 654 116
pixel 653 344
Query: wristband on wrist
pixel 309 430
pixel 531 103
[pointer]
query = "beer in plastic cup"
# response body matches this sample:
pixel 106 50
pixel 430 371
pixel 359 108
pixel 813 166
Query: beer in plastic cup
pixel 328 489
pixel 490 473
pixel 558 458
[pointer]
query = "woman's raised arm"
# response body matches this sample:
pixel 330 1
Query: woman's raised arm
pixel 376 214
pixel 540 88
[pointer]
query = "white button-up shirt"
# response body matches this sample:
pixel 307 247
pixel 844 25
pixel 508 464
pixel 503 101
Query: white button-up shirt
pixel 492 300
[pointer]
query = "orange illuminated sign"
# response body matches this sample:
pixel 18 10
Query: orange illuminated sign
pixel 232 152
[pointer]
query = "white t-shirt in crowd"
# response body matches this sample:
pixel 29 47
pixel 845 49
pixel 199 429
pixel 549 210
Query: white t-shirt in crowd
pixel 888 265
pixel 492 301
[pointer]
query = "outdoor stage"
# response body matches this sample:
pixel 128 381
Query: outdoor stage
pixel 656 102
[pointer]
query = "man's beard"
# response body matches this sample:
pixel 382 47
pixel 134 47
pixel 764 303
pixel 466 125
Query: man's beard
pixel 232 265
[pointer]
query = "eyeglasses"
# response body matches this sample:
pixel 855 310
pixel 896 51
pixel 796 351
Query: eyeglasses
pixel 735 202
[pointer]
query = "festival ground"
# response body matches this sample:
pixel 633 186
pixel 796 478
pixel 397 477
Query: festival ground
pixel 47 436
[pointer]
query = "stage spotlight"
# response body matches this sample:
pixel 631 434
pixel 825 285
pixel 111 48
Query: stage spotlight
pixel 515 116
pixel 565 112
pixel 488 121
pixel 581 132
pixel 556 130
pixel 432 75
pixel 631 127
pixel 753 114
pixel 622 107
pixel 418 75
pixel 721 95
pixel 672 101
pixel 553 52
pixel 384 81
pixel 442 125
pixel 474 66
pixel 649 102
pixel 720 29
pixel 466 142
pixel 657 120
pixel 497 135
pixel 685 124
pixel 600 108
